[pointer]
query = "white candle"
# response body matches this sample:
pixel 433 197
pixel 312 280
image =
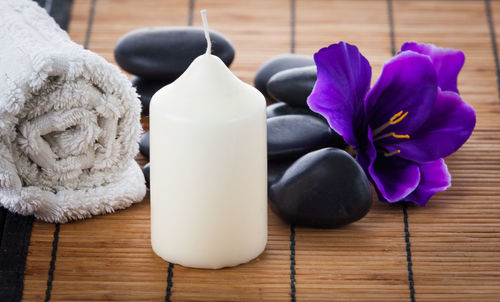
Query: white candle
pixel 208 167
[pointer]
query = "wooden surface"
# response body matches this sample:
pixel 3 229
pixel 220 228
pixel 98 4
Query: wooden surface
pixel 455 240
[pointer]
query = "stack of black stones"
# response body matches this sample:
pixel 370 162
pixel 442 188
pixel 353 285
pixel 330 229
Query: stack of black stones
pixel 312 181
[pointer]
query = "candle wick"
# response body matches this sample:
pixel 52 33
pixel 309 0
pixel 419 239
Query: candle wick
pixel 205 27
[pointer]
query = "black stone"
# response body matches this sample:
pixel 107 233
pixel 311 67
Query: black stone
pixel 277 64
pixel 280 108
pixel 292 86
pixel 166 52
pixel 144 144
pixel 276 168
pixel 146 88
pixel 145 170
pixel 290 136
pixel 326 188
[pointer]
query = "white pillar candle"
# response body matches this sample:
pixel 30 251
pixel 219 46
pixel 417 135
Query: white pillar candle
pixel 208 167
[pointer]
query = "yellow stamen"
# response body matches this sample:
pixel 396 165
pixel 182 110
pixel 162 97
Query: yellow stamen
pixel 393 134
pixel 388 154
pixel 400 135
pixel 396 118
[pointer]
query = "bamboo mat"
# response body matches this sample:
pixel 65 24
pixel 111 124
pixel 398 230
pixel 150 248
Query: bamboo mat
pixel 451 249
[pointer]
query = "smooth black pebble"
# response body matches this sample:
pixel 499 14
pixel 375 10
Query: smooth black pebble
pixel 281 108
pixel 293 86
pixel 146 88
pixel 144 144
pixel 276 168
pixel 290 136
pixel 277 64
pixel 326 188
pixel 166 52
pixel 145 170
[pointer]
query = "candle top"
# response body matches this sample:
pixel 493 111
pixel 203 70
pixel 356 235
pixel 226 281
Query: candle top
pixel 208 91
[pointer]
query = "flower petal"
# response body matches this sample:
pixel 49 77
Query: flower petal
pixel 408 83
pixel 447 61
pixel 394 177
pixel 343 79
pixel 449 126
pixel 366 152
pixel 434 177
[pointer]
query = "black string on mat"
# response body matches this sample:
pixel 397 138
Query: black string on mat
pixel 391 27
pixel 52 262
pixel 292 26
pixel 292 263
pixel 90 23
pixel 170 283
pixel 408 253
pixel 190 14
pixel 487 5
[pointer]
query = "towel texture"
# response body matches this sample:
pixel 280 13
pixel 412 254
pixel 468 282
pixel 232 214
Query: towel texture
pixel 69 123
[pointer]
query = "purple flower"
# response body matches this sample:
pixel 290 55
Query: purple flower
pixel 403 126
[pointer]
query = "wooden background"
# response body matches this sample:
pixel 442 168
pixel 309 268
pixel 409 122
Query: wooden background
pixel 455 240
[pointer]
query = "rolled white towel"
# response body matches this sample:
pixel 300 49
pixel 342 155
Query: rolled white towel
pixel 69 123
